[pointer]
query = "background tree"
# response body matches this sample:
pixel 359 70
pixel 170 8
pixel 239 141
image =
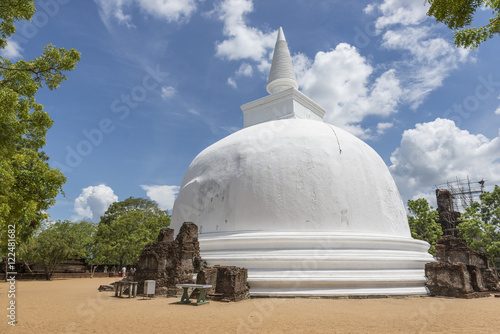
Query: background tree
pixel 457 14
pixel 423 222
pixel 24 253
pixel 28 184
pixel 481 224
pixel 126 227
pixel 59 242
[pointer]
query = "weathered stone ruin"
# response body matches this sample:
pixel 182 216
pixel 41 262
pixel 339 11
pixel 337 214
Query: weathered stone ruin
pixel 229 283
pixel 460 272
pixel 106 288
pixel 448 217
pixel 170 261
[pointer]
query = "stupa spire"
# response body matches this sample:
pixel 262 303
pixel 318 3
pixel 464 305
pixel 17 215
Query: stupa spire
pixel 285 101
pixel 282 74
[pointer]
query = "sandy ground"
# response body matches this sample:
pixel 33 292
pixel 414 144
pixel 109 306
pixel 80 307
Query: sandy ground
pixel 75 306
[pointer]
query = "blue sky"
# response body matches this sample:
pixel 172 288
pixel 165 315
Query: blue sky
pixel 160 80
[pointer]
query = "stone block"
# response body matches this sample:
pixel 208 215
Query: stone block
pixel 106 288
pixel 448 279
pixel 208 276
pixel 170 261
pixel 490 279
pixel 454 280
pixel 166 235
pixel 232 283
pixel 229 284
pixel 455 250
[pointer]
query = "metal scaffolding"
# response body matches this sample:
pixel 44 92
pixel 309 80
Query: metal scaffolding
pixel 453 198
pixel 463 192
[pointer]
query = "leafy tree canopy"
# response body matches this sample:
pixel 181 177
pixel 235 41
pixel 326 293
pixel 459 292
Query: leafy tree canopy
pixel 423 222
pixel 12 11
pixel 126 227
pixel 481 224
pixel 29 185
pixel 457 14
pixel 117 209
pixel 56 243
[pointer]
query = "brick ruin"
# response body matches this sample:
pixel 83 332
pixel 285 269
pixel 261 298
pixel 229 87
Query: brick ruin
pixel 448 217
pixel 229 283
pixel 170 262
pixel 460 272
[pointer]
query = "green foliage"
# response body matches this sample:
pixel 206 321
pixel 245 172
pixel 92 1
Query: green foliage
pixel 126 227
pixel 481 224
pixel 59 242
pixel 457 14
pixel 12 11
pixel 29 185
pixel 423 223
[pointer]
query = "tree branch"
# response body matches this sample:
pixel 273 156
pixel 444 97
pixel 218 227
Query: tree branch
pixel 32 70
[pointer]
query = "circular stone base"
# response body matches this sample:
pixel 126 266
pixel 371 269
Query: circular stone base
pixel 321 263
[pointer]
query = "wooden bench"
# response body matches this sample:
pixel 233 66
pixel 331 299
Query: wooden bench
pixel 201 297
pixel 132 288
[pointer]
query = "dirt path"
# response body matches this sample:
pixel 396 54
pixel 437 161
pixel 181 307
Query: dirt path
pixel 75 306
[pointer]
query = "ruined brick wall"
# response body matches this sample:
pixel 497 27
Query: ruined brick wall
pixel 448 217
pixel 455 250
pixel 444 200
pixel 454 280
pixel 229 283
pixel 460 271
pixel 170 261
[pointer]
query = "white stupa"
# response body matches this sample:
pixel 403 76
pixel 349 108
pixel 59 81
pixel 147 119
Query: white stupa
pixel 306 207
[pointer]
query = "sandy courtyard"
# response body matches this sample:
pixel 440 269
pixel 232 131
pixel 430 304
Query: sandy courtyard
pixel 75 306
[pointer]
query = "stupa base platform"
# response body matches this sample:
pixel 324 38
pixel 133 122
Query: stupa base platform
pixel 321 263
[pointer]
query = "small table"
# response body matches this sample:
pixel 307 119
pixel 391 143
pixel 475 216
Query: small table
pixel 132 288
pixel 201 297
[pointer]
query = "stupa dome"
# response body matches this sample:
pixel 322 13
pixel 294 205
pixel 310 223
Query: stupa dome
pixel 292 175
pixel 306 207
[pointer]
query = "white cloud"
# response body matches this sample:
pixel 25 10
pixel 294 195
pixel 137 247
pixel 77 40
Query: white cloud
pixel 382 127
pixel 245 70
pixel 231 82
pixel 436 152
pixel 369 9
pixel 113 9
pixel 429 60
pixel 343 81
pixel 404 12
pixel 264 66
pixel 230 129
pixel 340 81
pixel 429 196
pixel 93 202
pixel 12 51
pixel 243 42
pixel 163 195
pixel 426 59
pixel 171 10
pixel 497 111
pixel 167 92
pixel 193 112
